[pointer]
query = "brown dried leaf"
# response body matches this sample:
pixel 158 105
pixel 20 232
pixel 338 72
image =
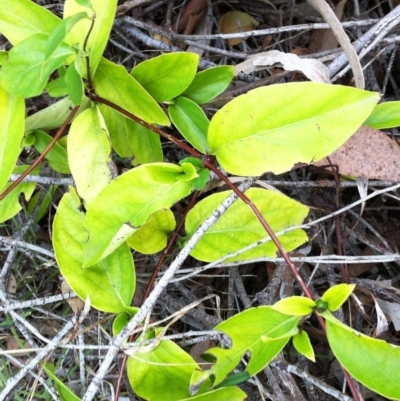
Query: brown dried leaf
pixel 324 39
pixel 76 303
pixel 235 22
pixel 193 9
pixel 369 153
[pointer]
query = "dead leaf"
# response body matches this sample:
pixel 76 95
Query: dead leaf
pixel 236 22
pixel 314 70
pixel 75 303
pixel 192 10
pixel 392 310
pixel 369 153
pixel 11 284
pixel 324 39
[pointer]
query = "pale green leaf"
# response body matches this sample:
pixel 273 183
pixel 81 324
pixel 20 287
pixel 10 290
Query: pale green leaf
pixel 372 362
pixel 63 391
pixel 104 13
pixel 119 323
pixel 57 157
pixel 28 60
pixel 167 367
pixel 275 127
pixel 146 145
pixel 53 116
pixel 3 56
pixel 127 202
pixel 385 115
pixel 89 154
pixel 221 394
pixel 120 130
pixel 191 122
pixel 166 76
pixel 114 83
pixel 57 87
pixel 246 331
pixel 208 84
pixel 57 35
pixel 302 343
pixel 337 295
pixel 10 205
pixel 20 19
pixel 238 227
pixel 74 84
pixel 12 112
pixel 296 306
pixel 152 237
pixel 110 283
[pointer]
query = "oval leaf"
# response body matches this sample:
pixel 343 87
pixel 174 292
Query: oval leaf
pixel 191 122
pixel 337 295
pixel 384 115
pixel 273 128
pixel 12 112
pixel 104 13
pixel 89 154
pixel 296 306
pixel 110 283
pixel 168 365
pixel 238 227
pixel 152 237
pixel 127 202
pixel 166 76
pixel 372 362
pixel 302 343
pixel 246 331
pixel 114 83
pixel 28 59
pixel 23 18
pixel 208 84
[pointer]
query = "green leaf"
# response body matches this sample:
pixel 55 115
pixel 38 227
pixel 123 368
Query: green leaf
pixel 57 157
pixel 191 122
pixel 104 13
pixel 44 206
pixel 119 323
pixel 58 34
pixel 246 331
pixel 208 84
pixel 52 116
pixel 63 391
pixel 152 237
pixel 74 84
pixel 296 306
pixel 110 283
pixel 114 83
pixel 166 76
pixel 120 130
pixel 20 19
pixel 12 112
pixel 221 394
pixel 238 227
pixel 3 56
pixel 167 367
pixel 134 196
pixel 28 60
pixel 10 205
pixel 275 127
pixel 372 362
pixel 146 145
pixel 384 115
pixel 337 295
pixel 89 154
pixel 302 343
pixel 234 379
pixel 57 87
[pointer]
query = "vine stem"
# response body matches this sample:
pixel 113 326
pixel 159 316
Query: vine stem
pixel 209 164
